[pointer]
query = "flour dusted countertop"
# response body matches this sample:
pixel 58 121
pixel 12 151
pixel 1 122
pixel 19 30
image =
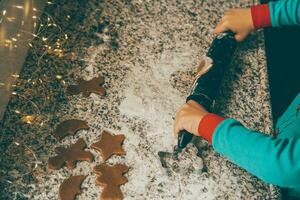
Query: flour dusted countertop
pixel 147 53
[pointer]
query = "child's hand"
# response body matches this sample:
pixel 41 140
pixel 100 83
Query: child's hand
pixel 188 118
pixel 238 21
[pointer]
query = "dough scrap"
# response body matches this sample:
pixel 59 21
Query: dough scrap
pixel 69 127
pixel 70 187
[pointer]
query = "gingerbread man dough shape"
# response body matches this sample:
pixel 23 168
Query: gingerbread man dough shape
pixel 111 178
pixel 87 87
pixel 70 155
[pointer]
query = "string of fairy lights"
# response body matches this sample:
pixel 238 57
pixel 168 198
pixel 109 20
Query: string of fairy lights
pixel 12 42
pixel 50 45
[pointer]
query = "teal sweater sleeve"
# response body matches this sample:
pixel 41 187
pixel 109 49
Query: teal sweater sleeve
pixel 274 160
pixel 285 12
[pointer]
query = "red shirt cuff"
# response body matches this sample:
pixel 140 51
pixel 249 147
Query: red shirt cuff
pixel 208 124
pixel 261 16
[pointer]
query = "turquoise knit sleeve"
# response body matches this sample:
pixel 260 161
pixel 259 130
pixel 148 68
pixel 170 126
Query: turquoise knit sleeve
pixel 285 12
pixel 274 160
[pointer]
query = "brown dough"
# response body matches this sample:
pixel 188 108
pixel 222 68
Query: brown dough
pixel 69 127
pixel 88 87
pixel 74 153
pixel 109 145
pixel 111 178
pixel 70 187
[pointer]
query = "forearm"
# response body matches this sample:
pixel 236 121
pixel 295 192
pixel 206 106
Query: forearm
pixel 276 14
pixel 271 159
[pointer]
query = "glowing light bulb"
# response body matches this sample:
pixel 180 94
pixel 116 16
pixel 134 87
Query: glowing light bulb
pixel 15 75
pixel 28 119
pixel 59 77
pixel 19 7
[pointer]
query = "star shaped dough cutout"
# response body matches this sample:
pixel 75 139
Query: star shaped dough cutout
pixel 109 145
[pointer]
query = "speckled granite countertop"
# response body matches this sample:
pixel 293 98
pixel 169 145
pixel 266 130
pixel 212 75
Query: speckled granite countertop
pixel 147 51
